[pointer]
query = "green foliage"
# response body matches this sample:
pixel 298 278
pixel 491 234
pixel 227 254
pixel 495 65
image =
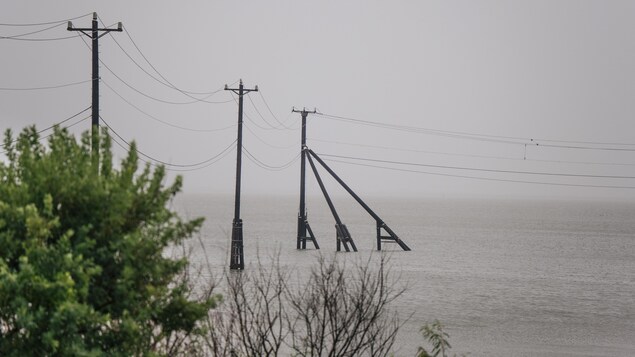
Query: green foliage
pixel 437 338
pixel 82 265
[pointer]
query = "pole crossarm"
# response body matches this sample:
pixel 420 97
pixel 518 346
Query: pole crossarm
pixel 240 91
pixel 84 30
pixel 293 110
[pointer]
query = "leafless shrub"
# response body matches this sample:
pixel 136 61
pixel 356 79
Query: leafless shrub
pixel 335 311
pixel 345 312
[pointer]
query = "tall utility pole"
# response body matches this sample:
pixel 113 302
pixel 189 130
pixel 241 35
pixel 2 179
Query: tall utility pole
pixel 303 223
pixel 236 259
pixel 94 33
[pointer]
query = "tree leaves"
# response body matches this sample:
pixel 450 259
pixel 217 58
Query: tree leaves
pixel 82 269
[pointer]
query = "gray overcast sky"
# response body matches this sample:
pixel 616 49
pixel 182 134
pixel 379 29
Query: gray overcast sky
pixel 547 70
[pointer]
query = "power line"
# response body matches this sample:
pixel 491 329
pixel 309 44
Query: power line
pixel 65 120
pixel 484 137
pixel 52 126
pixel 165 81
pixel 249 118
pixel 479 169
pixel 483 178
pixel 158 99
pixel 421 130
pixel 62 121
pixel 252 121
pixel 280 124
pixel 175 169
pixel 266 143
pixel 39 39
pixel 260 114
pixel 13 37
pixel 470 155
pixel 162 121
pixel 270 111
pixel 265 166
pixel 152 97
pixel 45 87
pixel 46 23
pixel 167 163
pixel 159 73
pixel 579 147
pixel 66 127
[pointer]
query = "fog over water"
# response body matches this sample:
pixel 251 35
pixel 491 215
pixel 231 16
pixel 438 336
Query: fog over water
pixel 458 88
pixel 507 278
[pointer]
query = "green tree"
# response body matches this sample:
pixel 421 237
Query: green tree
pixel 83 269
pixel 438 338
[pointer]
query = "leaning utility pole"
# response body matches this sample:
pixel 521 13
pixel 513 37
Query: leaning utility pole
pixel 303 223
pixel 236 258
pixel 93 33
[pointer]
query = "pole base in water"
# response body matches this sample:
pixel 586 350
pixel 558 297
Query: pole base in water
pixel 237 261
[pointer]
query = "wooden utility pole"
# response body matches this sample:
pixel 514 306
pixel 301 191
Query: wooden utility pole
pixel 236 259
pixel 94 33
pixel 303 223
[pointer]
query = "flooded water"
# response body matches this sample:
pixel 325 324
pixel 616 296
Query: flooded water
pixel 506 278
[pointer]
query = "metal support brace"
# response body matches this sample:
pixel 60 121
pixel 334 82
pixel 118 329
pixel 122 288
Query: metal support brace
pixel 391 237
pixel 342 234
pixel 305 232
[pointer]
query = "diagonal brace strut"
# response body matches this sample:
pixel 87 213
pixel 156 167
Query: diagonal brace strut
pixel 391 237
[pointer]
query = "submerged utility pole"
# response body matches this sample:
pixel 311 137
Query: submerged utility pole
pixel 94 33
pixel 236 258
pixel 303 223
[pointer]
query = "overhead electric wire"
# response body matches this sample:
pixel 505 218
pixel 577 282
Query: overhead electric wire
pixel 163 82
pixel 470 155
pixel 484 137
pixel 246 115
pixel 280 123
pixel 297 123
pixel 149 96
pixel 221 156
pixel 420 130
pixel 297 144
pixel 479 169
pixel 39 39
pixel 30 33
pixel 270 111
pixel 46 87
pixel 158 99
pixel 265 166
pixel 46 136
pixel 576 147
pixel 483 178
pixel 162 121
pixel 167 163
pixel 159 73
pixel 54 125
pixel 61 122
pixel 46 23
pixel 260 114
pixel 65 120
pixel 174 169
